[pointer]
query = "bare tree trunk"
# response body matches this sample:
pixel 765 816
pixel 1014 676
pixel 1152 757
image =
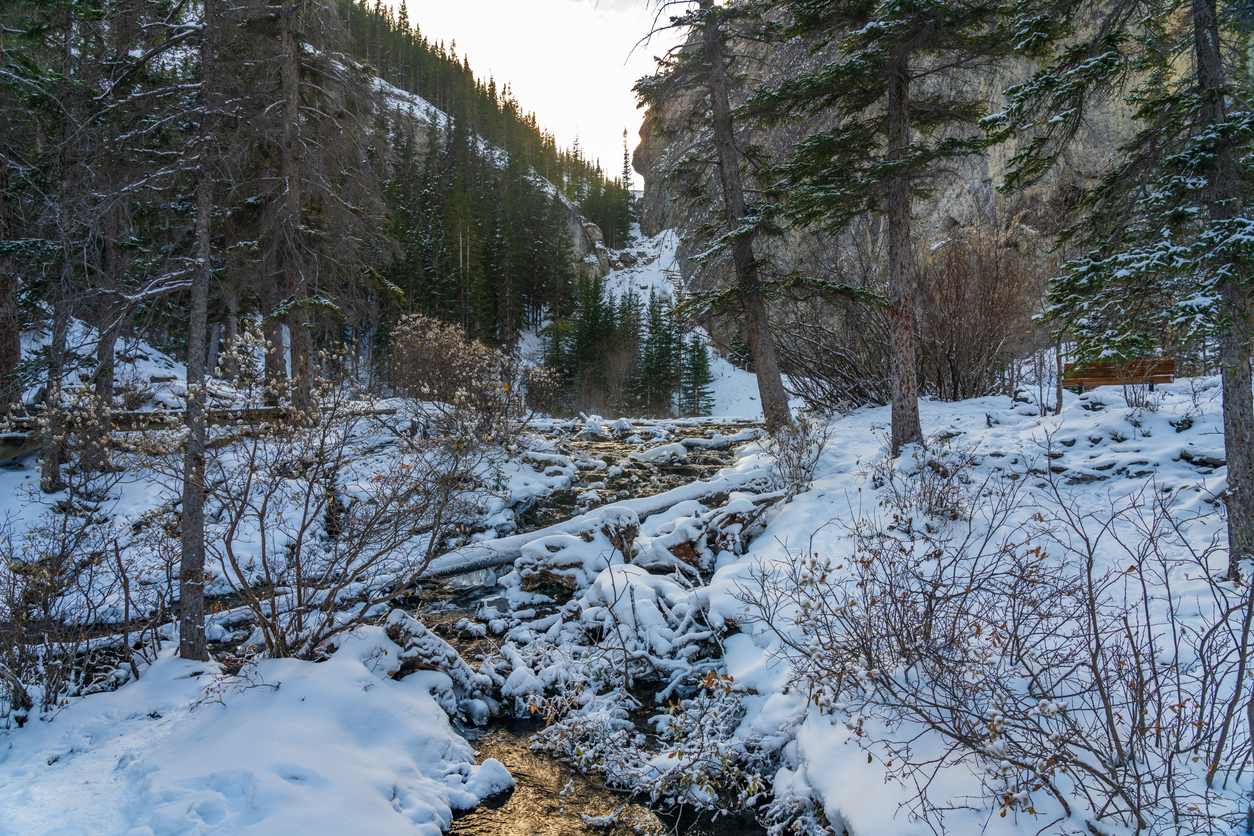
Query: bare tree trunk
pixel 231 336
pixel 757 321
pixel 1058 377
pixel 275 373
pixel 10 332
pixel 53 431
pixel 289 171
pixel 902 339
pixel 110 307
pixel 192 644
pixel 211 357
pixel 1234 335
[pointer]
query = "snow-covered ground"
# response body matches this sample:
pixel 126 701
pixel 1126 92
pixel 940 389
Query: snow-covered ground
pixel 1103 455
pixel 298 747
pixel 339 746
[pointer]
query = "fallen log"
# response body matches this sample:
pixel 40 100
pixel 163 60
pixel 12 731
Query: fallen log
pixel 489 554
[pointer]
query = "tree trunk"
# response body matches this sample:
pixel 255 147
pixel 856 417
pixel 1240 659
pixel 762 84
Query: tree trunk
pixel 1234 335
pixel 289 171
pixel 192 644
pixel 757 321
pixel 275 372
pixel 53 429
pixel 902 326
pixel 110 308
pixel 1058 369
pixel 211 356
pixel 10 331
pixel 230 337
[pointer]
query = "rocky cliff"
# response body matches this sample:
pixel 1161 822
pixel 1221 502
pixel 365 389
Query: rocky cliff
pixel 964 197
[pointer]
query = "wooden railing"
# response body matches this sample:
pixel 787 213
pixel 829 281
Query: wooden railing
pixel 19 435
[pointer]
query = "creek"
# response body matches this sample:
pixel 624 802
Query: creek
pixel 550 798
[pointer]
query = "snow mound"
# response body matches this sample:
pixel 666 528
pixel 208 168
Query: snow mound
pixel 295 747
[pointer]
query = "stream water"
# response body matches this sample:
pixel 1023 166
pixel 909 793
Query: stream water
pixel 550 798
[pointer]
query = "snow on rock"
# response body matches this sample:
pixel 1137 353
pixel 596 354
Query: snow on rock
pixel 663 452
pixel 594 428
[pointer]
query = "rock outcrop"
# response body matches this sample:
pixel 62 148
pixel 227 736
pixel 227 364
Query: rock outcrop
pixel 958 196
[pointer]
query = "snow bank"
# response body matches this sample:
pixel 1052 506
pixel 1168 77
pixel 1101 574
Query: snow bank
pixel 296 747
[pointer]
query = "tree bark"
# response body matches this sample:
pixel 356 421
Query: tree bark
pixel 53 429
pixel 1234 334
pixel 192 643
pixel 289 171
pixel 211 356
pixel 230 337
pixel 10 330
pixel 902 325
pixel 757 320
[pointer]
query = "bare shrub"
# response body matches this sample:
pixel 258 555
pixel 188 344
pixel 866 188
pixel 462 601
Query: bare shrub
pixel 796 448
pixel 544 389
pixel 833 349
pixel 316 520
pixel 978 293
pixel 312 539
pixel 459 384
pixel 933 479
pixel 79 611
pixel 835 355
pixel 1069 690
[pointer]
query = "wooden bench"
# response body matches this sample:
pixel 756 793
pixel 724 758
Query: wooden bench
pixel 1136 372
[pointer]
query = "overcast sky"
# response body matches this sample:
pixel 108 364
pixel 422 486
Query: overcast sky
pixel 571 62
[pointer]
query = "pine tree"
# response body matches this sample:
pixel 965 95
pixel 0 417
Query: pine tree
pixel 695 396
pixel 1167 232
pixel 627 178
pixel 661 356
pixel 703 67
pixel 901 117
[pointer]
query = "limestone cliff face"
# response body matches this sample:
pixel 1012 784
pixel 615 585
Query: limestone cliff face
pixel 959 193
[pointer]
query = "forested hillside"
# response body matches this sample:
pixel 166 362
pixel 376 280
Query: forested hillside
pixel 144 145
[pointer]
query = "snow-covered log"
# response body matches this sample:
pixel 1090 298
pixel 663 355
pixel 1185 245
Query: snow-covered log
pixel 491 553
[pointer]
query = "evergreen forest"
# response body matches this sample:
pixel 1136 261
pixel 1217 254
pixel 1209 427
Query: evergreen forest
pixel 282 154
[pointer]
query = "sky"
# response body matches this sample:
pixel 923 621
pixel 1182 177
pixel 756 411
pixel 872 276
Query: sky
pixel 571 62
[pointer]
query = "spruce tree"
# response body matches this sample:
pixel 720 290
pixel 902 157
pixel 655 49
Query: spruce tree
pixel 701 72
pixel 1167 231
pixel 695 397
pixel 900 117
pixel 660 356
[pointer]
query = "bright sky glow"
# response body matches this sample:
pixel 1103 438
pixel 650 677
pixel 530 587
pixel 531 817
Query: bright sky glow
pixel 571 62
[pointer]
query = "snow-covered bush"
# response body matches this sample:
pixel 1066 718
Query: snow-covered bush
pixel 934 479
pixel 63 581
pixel 316 521
pixel 1068 689
pixel 796 448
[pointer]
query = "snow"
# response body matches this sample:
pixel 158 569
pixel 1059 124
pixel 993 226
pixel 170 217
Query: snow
pixel 1124 449
pixel 296 747
pixel 343 746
